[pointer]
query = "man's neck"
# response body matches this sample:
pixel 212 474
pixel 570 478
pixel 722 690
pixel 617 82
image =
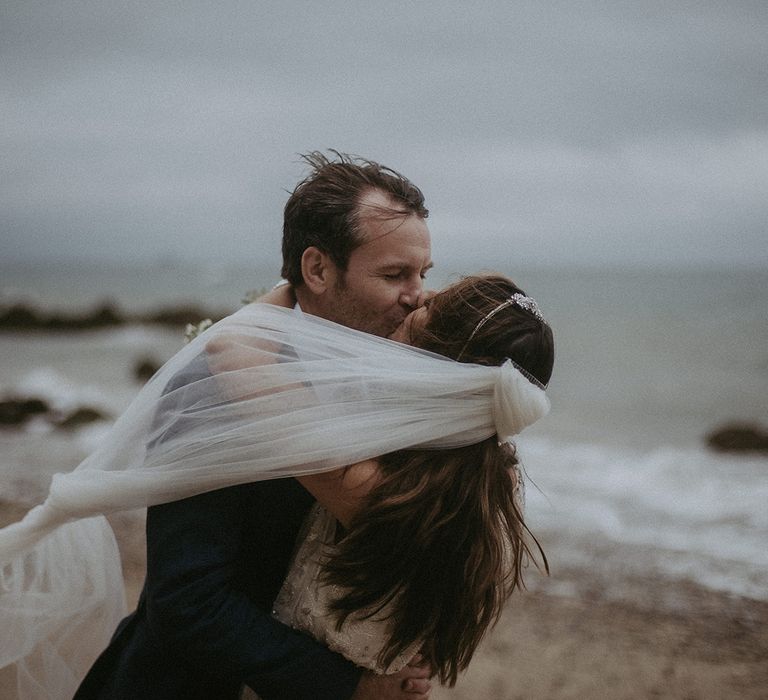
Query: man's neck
pixel 308 302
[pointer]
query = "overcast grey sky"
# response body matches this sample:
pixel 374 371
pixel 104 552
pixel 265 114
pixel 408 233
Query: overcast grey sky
pixel 594 133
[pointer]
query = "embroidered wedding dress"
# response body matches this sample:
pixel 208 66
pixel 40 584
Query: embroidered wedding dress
pixel 304 601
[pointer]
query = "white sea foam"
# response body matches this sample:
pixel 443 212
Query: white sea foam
pixel 684 512
pixel 61 392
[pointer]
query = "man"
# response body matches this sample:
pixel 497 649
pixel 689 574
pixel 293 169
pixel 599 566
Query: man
pixel 355 250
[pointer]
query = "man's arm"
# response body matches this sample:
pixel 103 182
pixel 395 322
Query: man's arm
pixel 279 295
pixel 195 604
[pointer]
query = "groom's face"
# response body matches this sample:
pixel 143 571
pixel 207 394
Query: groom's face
pixel 385 274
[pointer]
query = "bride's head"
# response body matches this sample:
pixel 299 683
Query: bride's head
pixel 442 534
pixel 484 319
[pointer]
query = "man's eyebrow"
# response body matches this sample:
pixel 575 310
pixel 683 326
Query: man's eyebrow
pixel 401 265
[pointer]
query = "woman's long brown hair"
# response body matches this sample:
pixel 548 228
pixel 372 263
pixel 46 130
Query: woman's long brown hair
pixel 440 543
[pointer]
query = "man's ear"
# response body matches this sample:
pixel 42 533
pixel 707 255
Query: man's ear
pixel 318 270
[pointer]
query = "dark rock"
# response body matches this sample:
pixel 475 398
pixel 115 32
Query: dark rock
pixel 105 315
pixel 144 368
pixel 17 411
pixel 24 318
pixel 738 437
pixel 81 416
pixel 20 317
pixel 181 315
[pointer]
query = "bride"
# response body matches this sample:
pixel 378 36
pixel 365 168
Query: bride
pixel 431 539
pixel 427 544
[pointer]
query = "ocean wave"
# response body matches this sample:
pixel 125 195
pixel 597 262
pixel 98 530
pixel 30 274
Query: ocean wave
pixel 61 392
pixel 685 512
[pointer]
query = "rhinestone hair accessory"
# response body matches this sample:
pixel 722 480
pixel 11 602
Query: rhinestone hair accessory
pixel 521 300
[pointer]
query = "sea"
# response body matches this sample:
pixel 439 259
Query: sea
pixel 621 486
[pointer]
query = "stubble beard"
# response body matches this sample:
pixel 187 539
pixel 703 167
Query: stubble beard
pixel 348 311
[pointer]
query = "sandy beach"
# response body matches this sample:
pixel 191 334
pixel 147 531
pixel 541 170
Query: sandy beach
pixel 671 640
pixel 675 640
pixel 553 647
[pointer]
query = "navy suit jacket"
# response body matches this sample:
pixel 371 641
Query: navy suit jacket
pixel 203 625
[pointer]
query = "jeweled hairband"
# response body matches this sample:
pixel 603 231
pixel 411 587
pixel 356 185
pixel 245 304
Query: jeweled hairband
pixel 523 301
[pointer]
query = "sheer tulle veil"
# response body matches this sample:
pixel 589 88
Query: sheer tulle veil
pixel 266 393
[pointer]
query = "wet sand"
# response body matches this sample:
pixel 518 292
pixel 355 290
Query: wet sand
pixel 662 639
pixel 552 647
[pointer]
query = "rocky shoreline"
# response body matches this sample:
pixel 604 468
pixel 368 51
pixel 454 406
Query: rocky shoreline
pixel 24 317
pixel 738 437
pixel 16 412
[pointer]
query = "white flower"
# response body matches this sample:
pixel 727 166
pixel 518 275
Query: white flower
pixel 192 331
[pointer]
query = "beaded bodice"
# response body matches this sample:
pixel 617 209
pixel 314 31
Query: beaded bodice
pixel 304 601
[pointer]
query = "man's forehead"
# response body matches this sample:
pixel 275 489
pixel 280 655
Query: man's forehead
pixel 422 263
pixel 401 230
pixel 394 233
pixel 405 243
pixel 380 214
pixel 375 201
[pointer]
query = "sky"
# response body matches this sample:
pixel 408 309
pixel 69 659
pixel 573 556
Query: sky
pixel 615 133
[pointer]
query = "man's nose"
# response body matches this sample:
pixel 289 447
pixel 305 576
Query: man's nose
pixel 411 294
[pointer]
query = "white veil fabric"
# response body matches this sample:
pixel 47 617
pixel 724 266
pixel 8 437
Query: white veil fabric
pixel 266 393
